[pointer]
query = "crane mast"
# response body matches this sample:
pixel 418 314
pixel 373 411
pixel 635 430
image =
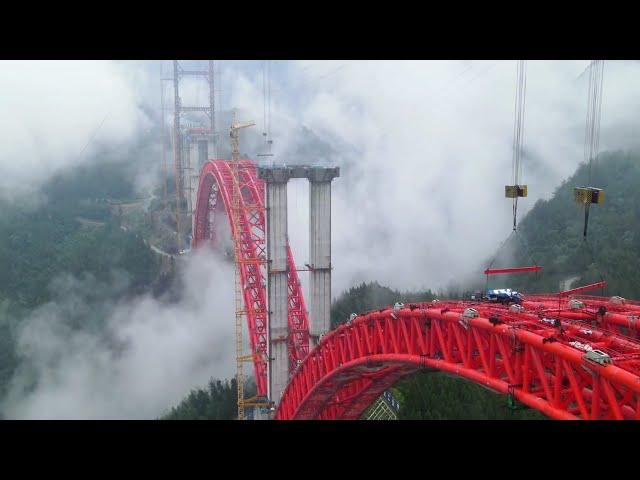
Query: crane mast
pixel 239 300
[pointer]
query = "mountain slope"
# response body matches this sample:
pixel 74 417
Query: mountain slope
pixel 551 233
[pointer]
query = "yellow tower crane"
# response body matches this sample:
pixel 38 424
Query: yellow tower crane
pixel 235 213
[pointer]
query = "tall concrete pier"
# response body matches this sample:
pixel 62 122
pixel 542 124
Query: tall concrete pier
pixel 277 240
pixel 193 176
pixel 199 148
pixel 320 251
pixel 276 178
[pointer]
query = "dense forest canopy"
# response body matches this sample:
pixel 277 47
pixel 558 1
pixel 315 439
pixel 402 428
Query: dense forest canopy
pixel 72 233
pixel 367 296
pixel 73 230
pixel 216 402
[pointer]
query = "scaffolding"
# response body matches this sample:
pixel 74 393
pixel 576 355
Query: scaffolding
pixel 239 297
pixel 386 407
pixel 381 411
pixel 183 169
pixel 163 137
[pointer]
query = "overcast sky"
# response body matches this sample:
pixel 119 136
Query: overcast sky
pixel 425 146
pixel 429 147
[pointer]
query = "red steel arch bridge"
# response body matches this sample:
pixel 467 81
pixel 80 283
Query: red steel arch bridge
pixel 567 356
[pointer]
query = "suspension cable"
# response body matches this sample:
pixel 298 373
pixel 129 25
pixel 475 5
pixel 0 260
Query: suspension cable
pixel 270 140
pixel 266 107
pixel 594 107
pixel 518 189
pixel 588 195
pixel 593 258
pixel 264 98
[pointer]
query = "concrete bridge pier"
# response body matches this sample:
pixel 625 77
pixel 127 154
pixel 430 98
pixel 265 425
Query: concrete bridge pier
pixel 198 155
pixel 193 174
pixel 276 180
pixel 320 251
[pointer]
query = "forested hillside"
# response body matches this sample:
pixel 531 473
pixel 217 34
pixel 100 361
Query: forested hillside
pixel 367 296
pixel 218 401
pixel 71 230
pixel 551 234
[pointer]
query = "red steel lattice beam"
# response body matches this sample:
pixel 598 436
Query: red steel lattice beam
pixel 523 352
pixel 584 288
pixel 497 271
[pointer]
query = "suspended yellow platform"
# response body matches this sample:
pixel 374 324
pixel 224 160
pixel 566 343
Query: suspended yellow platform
pixel 514 191
pixel 588 195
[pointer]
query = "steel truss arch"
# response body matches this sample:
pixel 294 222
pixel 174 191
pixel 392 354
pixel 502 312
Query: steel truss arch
pixel 214 199
pixel 512 351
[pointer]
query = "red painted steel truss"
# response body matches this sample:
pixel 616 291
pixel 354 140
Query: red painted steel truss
pixel 536 353
pixel 214 200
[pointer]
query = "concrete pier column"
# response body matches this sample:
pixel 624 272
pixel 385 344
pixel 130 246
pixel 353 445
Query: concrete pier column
pixel 320 251
pixel 193 175
pixel 277 239
pixel 198 154
pixel 211 149
pixel 203 153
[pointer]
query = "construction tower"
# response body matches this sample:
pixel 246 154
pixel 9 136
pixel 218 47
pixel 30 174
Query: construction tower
pixel 193 142
pixel 237 210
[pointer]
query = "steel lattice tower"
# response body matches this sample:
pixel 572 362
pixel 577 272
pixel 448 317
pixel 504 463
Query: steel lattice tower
pixel 184 136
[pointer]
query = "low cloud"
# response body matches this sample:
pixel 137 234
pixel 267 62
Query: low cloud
pixel 141 360
pixel 55 114
pixel 425 149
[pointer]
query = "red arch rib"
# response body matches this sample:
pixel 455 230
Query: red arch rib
pixel 214 197
pixel 521 352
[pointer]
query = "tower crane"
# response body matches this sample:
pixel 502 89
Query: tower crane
pixel 235 137
pixel 234 134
